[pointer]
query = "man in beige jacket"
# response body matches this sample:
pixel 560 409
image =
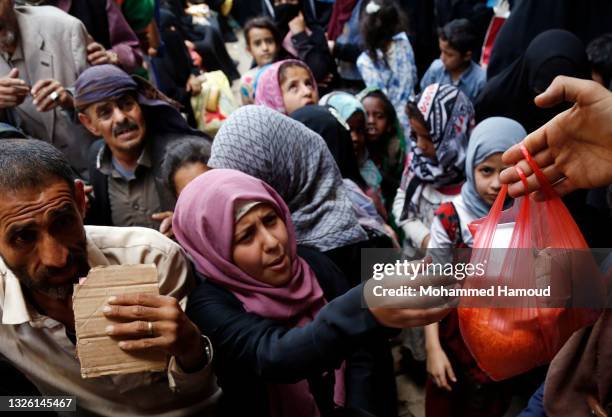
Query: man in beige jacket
pixel 44 250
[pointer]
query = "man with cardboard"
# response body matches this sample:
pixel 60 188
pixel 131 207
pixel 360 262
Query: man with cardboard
pixel 45 250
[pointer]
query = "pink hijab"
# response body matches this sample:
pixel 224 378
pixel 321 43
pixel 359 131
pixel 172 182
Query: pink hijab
pixel 268 90
pixel 204 223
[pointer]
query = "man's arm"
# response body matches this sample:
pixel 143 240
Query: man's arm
pixel 574 149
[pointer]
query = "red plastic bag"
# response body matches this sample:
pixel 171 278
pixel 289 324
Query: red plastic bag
pixel 509 341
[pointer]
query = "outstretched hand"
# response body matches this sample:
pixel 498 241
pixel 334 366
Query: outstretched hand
pixel 574 149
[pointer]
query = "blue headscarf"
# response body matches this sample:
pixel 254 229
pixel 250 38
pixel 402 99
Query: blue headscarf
pixel 492 135
pixel 344 103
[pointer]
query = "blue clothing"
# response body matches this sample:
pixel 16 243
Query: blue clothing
pixel 535 407
pixel 470 82
pixel 393 72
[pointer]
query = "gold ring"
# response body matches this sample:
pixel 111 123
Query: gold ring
pixel 150 328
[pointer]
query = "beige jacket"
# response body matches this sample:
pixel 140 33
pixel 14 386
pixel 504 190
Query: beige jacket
pixel 38 346
pixel 52 45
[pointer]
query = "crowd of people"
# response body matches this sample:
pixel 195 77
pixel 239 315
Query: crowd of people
pixel 360 124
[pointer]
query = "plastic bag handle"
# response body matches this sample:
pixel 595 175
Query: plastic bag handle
pixel 547 188
pixel 521 175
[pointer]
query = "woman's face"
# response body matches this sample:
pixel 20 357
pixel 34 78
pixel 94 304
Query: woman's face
pixel 186 173
pixel 298 89
pixel 486 177
pixel 377 122
pixel 358 131
pixel 261 246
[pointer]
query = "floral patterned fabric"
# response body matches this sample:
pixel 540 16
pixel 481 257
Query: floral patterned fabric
pixel 394 72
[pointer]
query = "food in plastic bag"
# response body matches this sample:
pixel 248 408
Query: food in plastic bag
pixel 545 250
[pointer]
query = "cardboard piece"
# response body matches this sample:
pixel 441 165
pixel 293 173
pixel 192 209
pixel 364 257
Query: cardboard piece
pixel 99 354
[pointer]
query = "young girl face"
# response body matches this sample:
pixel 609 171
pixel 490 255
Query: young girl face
pixel 423 138
pixel 298 88
pixel 358 131
pixel 262 46
pixel 261 246
pixel 186 173
pixel 377 123
pixel 486 177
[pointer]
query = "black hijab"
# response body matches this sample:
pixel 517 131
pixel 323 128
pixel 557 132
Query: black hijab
pixel 587 19
pixel 511 92
pixel 283 14
pixel 337 137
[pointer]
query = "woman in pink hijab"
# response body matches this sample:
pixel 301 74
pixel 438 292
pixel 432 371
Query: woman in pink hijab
pixel 280 349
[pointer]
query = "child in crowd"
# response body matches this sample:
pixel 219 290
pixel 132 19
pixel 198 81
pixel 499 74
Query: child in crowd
pixel 351 112
pixel 264 44
pixel 441 118
pixel 184 160
pixel 457 386
pixel 599 52
pixel 286 86
pixel 455 66
pixel 384 140
pixel 388 62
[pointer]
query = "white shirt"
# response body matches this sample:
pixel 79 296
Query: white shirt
pixel 37 345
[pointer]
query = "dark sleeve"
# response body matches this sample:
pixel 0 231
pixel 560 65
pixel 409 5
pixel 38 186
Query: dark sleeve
pixel 347 52
pixel 369 371
pixel 98 212
pixel 313 50
pixel 330 277
pixel 273 351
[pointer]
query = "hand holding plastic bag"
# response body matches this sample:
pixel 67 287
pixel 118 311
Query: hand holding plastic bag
pixel 545 250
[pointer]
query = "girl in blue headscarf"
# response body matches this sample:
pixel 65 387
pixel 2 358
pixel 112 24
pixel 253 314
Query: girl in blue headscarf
pixel 456 386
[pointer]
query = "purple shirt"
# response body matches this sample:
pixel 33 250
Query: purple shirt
pixel 124 41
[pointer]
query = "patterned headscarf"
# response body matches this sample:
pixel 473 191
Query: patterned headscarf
pixel 449 116
pixel 268 90
pixel 296 162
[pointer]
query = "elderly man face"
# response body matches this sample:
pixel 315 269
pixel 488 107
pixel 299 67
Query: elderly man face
pixel 9 30
pixel 43 238
pixel 119 121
